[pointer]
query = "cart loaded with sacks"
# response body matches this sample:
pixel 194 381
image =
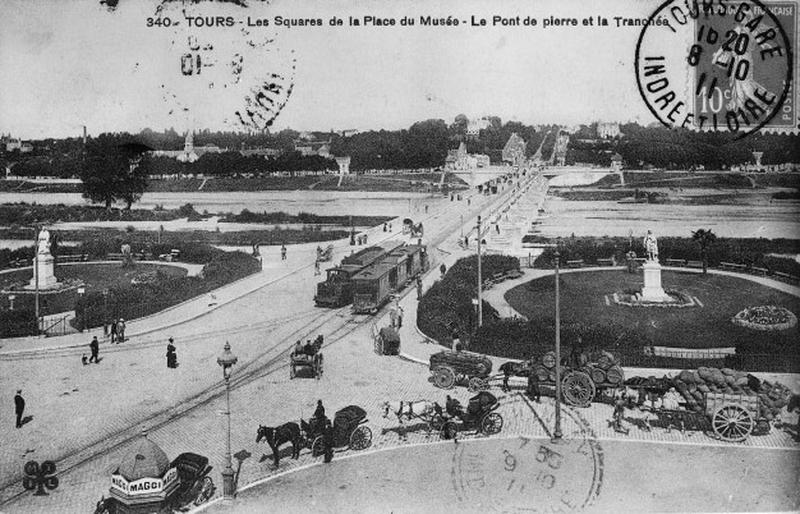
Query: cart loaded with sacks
pixel 449 368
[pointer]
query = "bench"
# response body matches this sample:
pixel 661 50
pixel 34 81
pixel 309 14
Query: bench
pixel 114 256
pixel 676 262
pixel 605 262
pixel 694 264
pixel 72 258
pixel 786 276
pixel 577 263
pixel 733 266
pixel 760 271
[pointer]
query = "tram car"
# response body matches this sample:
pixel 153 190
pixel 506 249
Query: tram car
pixel 337 289
pixel 374 285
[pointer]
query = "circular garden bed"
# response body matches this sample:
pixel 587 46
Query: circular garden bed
pixel 766 317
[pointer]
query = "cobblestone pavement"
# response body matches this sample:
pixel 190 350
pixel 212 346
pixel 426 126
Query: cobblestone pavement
pixel 190 404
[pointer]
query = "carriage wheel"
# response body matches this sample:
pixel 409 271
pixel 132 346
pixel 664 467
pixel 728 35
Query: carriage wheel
pixel 444 377
pixel 317 447
pixel 549 360
pixel 478 384
pixel 578 389
pixel 361 438
pixel 206 491
pixel 491 423
pixel 449 430
pixel 732 422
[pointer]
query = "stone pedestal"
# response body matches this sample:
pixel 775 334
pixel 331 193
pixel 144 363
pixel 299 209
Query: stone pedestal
pixel 652 291
pixel 47 280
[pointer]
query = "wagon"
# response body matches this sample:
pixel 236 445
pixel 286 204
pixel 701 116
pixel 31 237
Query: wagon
pixel 349 429
pixel 729 417
pixel 386 341
pixel 310 358
pixel 449 367
pixel 479 416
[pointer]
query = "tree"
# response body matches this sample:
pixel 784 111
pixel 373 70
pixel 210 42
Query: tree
pixel 114 170
pixel 705 238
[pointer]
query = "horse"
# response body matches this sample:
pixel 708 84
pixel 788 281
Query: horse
pixel 276 436
pixel 420 409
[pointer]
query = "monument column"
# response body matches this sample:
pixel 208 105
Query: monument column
pixel 652 291
pixel 43 264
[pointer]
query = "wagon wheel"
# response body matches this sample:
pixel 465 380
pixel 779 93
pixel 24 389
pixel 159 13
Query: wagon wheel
pixel 732 422
pixel 578 389
pixel 491 423
pixel 549 360
pixel 206 491
pixel 478 384
pixel 449 430
pixel 317 447
pixel 361 438
pixel 444 377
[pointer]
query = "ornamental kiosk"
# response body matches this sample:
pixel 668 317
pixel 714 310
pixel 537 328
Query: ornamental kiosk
pixel 144 482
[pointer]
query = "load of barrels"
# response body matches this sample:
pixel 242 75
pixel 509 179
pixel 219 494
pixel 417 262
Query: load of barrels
pixel 602 366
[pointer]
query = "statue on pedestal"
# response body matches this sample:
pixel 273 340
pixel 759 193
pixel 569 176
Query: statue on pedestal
pixel 43 242
pixel 651 246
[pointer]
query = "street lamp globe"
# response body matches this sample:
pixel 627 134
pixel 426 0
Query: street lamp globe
pixel 227 359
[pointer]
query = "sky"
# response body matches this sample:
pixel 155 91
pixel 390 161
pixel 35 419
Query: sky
pixel 69 63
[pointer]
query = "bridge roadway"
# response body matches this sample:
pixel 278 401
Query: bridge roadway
pixel 89 429
pixel 85 417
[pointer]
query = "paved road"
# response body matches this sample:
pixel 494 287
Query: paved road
pixel 520 475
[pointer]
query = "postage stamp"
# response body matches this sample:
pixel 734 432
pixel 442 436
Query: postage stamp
pixel 720 66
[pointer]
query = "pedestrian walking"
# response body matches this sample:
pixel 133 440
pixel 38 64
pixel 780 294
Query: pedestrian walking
pixel 466 241
pixel 113 331
pixel 426 209
pixel 19 407
pixel 385 227
pixel 443 269
pixel 399 316
pixel 419 288
pixel 316 267
pixel 506 375
pixel 619 413
pixel 390 227
pixel 94 347
pixel 172 356
pixel 497 228
pixel 121 331
pixel 533 387
pixel 283 252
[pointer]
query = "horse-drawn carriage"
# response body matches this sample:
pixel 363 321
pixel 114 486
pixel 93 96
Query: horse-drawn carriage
pixel 479 416
pixel 326 254
pixel 349 429
pixel 195 486
pixel 309 357
pixel 451 367
pixel 386 340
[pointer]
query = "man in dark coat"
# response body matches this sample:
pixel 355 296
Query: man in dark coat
pixel 327 441
pixel 94 346
pixel 19 407
pixel 319 413
pixel 113 331
pixel 533 387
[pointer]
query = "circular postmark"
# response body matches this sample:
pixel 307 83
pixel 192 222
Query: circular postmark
pixel 532 475
pixel 714 65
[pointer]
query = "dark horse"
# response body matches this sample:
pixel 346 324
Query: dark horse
pixel 286 433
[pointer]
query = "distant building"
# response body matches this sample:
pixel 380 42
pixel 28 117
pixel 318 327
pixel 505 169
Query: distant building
pixel 457 159
pixel 482 160
pixel 260 152
pixel 313 147
pixel 616 162
pixel 344 165
pixel 514 150
pixel 474 127
pixel 190 153
pixel 608 130
pixel 11 144
pixel 348 132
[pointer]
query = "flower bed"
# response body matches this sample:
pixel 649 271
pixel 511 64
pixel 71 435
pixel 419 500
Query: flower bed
pixel 766 317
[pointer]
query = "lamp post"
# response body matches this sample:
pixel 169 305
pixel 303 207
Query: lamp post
pixel 227 360
pixel 480 281
pixel 557 430
pixel 105 312
pixel 81 292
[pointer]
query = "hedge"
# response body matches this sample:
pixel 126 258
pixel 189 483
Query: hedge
pixel 134 301
pixel 17 323
pixel 447 306
pixel 751 252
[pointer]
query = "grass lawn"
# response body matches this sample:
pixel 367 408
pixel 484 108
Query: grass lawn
pixel 583 300
pixel 95 276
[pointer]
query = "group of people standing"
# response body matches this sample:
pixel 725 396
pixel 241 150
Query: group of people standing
pixel 118 331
